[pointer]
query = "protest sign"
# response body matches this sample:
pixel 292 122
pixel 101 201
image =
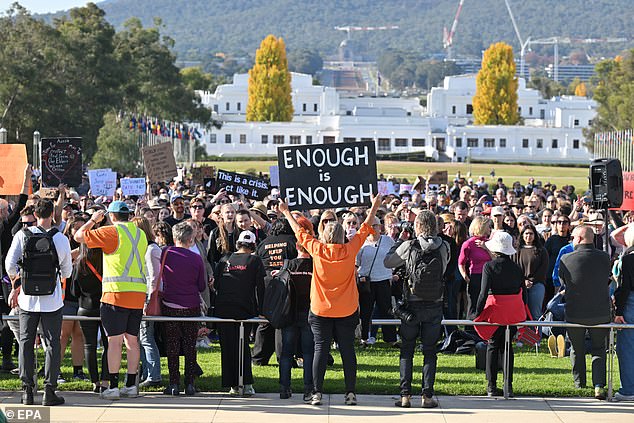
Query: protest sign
pixel 102 182
pixel 439 177
pixel 628 191
pixel 61 161
pixel 405 188
pixel 237 184
pixel 48 193
pixel 385 187
pixel 200 173
pixel 13 159
pixel 274 171
pixel 159 162
pixel 209 184
pixel 133 186
pixel 327 175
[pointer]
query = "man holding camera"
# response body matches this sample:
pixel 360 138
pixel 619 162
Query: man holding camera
pixel 420 311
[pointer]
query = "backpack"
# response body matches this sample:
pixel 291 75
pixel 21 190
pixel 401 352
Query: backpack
pixel 279 300
pixel 39 265
pixel 425 273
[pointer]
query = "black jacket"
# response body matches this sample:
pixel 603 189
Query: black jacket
pixel 586 274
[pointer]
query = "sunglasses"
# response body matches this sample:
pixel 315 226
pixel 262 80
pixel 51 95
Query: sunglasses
pixel 25 224
pixel 562 221
pixel 197 207
pixel 328 220
pixel 225 201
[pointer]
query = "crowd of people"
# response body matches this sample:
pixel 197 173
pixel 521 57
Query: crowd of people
pixel 465 250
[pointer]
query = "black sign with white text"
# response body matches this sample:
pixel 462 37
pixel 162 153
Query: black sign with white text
pixel 61 161
pixel 238 184
pixel 327 175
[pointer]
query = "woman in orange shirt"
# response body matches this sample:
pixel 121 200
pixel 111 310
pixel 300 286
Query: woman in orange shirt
pixel 334 299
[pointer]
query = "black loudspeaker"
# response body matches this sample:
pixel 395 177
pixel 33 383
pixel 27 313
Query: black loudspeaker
pixel 606 182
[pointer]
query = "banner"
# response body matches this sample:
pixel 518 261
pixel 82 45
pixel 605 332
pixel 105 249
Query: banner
pixel 274 171
pixel 133 186
pixel 102 182
pixel 327 175
pixel 159 162
pixel 628 191
pixel 13 159
pixel 238 184
pixel 61 162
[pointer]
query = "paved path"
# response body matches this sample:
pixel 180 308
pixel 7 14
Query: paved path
pixel 268 408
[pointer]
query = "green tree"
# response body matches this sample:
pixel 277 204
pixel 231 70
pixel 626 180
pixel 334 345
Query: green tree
pixel 305 61
pixel 495 101
pixel 117 147
pixel 195 79
pixel 270 84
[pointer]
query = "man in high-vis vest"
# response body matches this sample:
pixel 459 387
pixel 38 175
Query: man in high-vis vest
pixel 124 290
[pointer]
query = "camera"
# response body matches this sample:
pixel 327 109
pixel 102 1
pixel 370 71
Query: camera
pixel 400 311
pixel 407 227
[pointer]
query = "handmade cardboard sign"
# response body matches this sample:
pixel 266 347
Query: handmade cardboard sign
pixel 102 182
pixel 200 173
pixel 159 162
pixel 61 161
pixel 327 175
pixel 13 159
pixel 237 184
pixel 133 186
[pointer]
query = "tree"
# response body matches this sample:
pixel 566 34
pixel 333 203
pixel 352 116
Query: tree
pixel 117 147
pixel 305 61
pixel 495 101
pixel 270 84
pixel 195 79
pixel 581 90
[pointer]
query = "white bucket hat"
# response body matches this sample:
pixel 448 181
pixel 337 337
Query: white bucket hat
pixel 501 242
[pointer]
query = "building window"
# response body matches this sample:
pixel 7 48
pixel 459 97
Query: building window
pixel 489 143
pixel 458 142
pixel 469 109
pixel 239 106
pixel 243 138
pixel 530 111
pixel 304 107
pixel 576 122
pixel 296 139
pixel 349 139
pixel 227 106
pixel 542 114
pixel 418 142
pixel 329 140
pixel 525 143
pixel 265 139
pixel 575 144
pixel 472 142
pixel 384 144
pixel 554 143
pixel 212 139
pixel 590 122
pixel 216 108
pixel 366 139
pixel 400 142
pixel 278 139
pixel 315 107
pixel 519 111
pixel 502 142
pixel 309 139
pixel 227 138
pixel 453 110
pixel 540 143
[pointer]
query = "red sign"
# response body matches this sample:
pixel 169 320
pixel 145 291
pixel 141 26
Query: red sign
pixel 628 191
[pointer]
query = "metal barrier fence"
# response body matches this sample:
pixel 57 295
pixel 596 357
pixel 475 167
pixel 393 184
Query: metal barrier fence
pixel 618 145
pixel 242 339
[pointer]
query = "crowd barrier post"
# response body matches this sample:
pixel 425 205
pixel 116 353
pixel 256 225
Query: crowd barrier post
pixel 241 360
pixel 611 352
pixel 507 360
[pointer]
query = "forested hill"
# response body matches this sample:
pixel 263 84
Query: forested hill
pixel 204 27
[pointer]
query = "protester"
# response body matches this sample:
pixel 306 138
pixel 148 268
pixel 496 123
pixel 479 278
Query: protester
pixel 39 309
pixel 473 258
pixel 586 274
pixel 624 301
pixel 334 295
pixel 124 290
pixel 421 311
pixel 178 211
pixel 222 240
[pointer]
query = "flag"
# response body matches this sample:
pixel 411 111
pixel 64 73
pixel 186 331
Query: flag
pixel 378 78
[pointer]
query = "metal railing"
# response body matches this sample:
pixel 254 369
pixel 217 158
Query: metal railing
pixel 393 322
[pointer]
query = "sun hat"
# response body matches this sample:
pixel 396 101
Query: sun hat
pixel 501 242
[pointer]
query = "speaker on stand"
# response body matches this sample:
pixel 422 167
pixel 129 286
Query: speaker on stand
pixel 606 186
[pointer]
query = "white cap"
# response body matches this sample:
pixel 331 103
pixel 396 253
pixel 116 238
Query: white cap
pixel 497 211
pixel 246 237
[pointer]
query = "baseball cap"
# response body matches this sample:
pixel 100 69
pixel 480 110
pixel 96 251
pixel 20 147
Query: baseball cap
pixel 497 211
pixel 176 197
pixel 247 237
pixel 118 207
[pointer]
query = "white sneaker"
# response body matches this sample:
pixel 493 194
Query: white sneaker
pixel 203 343
pixel 234 391
pixel 249 391
pixel 371 340
pixel 110 394
pixel 60 379
pixel 620 397
pixel 129 391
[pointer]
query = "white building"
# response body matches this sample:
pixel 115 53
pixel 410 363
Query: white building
pixel 552 130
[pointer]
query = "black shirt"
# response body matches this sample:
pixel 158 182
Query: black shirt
pixel 171 220
pixel 500 276
pixel 240 287
pixel 627 281
pixel 275 249
pixel 301 274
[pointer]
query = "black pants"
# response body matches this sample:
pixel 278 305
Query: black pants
pixel 267 341
pixel 181 336
pixel 90 328
pixel 495 347
pixel 598 345
pixel 51 332
pixel 381 295
pixel 324 328
pixel 229 334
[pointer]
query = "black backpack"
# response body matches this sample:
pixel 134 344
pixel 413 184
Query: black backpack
pixel 279 300
pixel 425 273
pixel 39 265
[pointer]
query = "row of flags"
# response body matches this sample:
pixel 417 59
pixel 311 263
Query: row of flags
pixel 164 128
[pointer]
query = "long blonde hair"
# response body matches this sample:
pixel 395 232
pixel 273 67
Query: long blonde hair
pixel 333 233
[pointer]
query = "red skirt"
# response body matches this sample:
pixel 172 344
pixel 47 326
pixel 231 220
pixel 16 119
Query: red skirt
pixel 502 309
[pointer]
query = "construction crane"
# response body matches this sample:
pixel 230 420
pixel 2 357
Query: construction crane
pixel 348 29
pixel 555 41
pixel 447 37
pixel 523 44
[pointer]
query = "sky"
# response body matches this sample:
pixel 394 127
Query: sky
pixel 44 6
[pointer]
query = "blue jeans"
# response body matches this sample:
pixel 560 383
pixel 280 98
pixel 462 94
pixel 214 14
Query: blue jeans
pixel 452 289
pixel 290 336
pixel 536 301
pixel 625 349
pixel 427 326
pixel 150 356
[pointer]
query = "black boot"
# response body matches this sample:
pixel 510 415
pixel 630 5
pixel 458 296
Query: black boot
pixel 50 398
pixel 27 395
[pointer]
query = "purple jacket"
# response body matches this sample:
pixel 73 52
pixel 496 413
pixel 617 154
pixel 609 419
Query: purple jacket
pixel 183 277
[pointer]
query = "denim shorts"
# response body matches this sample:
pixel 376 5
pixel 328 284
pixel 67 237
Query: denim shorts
pixel 70 308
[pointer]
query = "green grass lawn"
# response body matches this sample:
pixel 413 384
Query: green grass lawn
pixel 559 175
pixel 378 373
